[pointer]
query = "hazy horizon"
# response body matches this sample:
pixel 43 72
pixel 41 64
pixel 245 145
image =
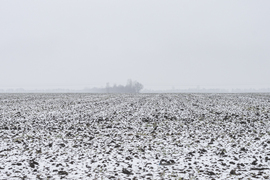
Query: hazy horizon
pixel 161 44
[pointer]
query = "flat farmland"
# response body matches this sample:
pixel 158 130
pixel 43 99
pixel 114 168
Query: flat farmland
pixel 134 136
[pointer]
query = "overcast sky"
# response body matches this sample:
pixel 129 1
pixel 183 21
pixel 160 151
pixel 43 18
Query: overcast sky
pixel 159 43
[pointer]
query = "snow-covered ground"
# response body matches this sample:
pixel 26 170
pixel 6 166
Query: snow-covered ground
pixel 142 136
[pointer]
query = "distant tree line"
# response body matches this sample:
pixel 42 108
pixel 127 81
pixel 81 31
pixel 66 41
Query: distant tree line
pixel 130 87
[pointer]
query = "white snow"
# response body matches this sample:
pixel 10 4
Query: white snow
pixel 95 136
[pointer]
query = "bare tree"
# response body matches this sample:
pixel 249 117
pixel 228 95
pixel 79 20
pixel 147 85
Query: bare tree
pixel 137 86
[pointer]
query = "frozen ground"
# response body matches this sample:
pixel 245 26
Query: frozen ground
pixel 145 136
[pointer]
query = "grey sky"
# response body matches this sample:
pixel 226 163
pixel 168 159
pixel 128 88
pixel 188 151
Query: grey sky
pixel 76 44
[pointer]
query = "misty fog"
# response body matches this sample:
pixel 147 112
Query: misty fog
pixel 162 44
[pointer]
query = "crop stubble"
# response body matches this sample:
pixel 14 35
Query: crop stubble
pixel 134 136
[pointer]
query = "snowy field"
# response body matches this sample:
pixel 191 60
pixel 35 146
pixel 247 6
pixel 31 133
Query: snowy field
pixel 144 136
